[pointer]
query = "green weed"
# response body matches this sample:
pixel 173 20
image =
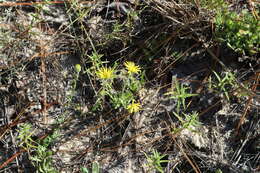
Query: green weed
pixel 189 121
pixel 180 93
pixel 155 160
pixel 223 84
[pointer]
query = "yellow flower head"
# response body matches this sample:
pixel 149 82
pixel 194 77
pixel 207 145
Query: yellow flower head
pixel 133 107
pixel 131 67
pixel 105 73
pixel 78 68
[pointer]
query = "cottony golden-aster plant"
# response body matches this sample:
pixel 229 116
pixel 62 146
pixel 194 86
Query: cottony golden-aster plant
pixel 121 88
pixel 105 73
pixel 132 68
pixel 133 107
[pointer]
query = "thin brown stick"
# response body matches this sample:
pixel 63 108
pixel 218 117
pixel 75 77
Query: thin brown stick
pixel 249 101
pixel 194 166
pixel 12 158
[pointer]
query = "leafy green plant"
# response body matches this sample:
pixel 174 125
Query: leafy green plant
pixel 155 160
pixel 223 84
pixel 25 133
pixel 180 93
pixel 40 154
pixel 42 159
pixel 241 32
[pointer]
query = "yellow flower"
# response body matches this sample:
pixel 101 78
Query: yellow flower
pixel 133 107
pixel 105 73
pixel 131 67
